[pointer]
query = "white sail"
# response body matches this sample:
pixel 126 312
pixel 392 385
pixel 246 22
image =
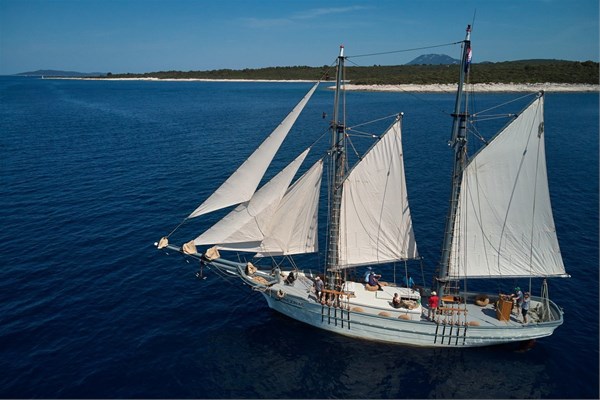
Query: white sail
pixel 294 225
pixel 505 227
pixel 375 222
pixel 248 221
pixel 242 184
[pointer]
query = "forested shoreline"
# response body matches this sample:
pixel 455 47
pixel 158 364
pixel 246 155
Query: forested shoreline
pixel 526 71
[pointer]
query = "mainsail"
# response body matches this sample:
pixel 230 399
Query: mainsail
pixel 375 221
pixel 242 184
pixel 504 226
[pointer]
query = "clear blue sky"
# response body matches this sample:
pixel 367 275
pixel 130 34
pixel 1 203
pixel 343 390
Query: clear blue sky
pixel 154 35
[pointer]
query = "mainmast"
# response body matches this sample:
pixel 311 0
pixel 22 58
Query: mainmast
pixel 338 159
pixel 458 142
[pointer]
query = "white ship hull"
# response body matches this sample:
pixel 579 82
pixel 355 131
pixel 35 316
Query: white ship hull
pixel 480 328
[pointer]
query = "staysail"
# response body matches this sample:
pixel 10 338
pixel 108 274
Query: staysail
pixel 375 221
pixel 242 184
pixel 248 221
pixel 504 226
pixel 294 225
pixel 287 225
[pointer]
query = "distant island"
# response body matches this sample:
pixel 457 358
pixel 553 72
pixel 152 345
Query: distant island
pixel 56 73
pixel 433 59
pixel 429 69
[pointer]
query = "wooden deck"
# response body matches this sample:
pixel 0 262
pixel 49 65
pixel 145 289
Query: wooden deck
pixel 357 297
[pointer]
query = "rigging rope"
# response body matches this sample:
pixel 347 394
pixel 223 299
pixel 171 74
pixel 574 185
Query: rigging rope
pixel 505 103
pixel 356 153
pixel 545 302
pixel 363 134
pixel 177 227
pixel 409 92
pixel 404 50
pixel 374 120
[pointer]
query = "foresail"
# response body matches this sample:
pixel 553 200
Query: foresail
pixel 248 221
pixel 242 184
pixel 375 221
pixel 294 226
pixel 505 227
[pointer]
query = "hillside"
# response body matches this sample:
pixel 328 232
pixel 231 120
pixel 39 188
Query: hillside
pixel 55 73
pixel 433 59
pixel 523 71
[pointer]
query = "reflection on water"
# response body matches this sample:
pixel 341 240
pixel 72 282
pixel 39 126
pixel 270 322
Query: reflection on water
pixel 281 358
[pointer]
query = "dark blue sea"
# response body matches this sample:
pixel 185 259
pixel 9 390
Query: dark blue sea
pixel 92 173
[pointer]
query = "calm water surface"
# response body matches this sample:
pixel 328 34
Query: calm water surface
pixel 92 173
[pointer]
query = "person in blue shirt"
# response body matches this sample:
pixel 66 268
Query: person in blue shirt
pixel 408 282
pixel 366 277
pixel 374 280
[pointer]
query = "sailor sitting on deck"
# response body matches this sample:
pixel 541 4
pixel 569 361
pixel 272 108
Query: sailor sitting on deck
pixel 374 280
pixel 396 301
pixel 290 278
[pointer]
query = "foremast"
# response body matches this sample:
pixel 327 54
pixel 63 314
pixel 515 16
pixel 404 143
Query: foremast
pixel 458 142
pixel 338 161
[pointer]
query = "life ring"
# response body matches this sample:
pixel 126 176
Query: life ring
pixel 280 294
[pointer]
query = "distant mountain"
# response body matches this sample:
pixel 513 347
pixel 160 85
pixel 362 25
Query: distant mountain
pixel 433 59
pixel 51 72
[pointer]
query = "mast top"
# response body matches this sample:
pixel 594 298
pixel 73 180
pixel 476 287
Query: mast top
pixel 341 50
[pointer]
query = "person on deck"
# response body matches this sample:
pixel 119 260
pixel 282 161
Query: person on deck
pixel 291 278
pixel 525 306
pixel 366 278
pixel 434 302
pixel 396 301
pixel 408 282
pixel 517 297
pixel 318 288
pixel 374 280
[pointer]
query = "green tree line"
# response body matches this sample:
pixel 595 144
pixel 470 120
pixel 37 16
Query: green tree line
pixel 526 71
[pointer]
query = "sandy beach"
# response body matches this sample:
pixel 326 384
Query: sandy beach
pixel 438 88
pixel 479 87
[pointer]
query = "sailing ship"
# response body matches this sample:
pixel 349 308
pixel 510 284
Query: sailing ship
pixel 499 225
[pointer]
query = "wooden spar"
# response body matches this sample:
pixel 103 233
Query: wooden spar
pixel 338 148
pixel 458 142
